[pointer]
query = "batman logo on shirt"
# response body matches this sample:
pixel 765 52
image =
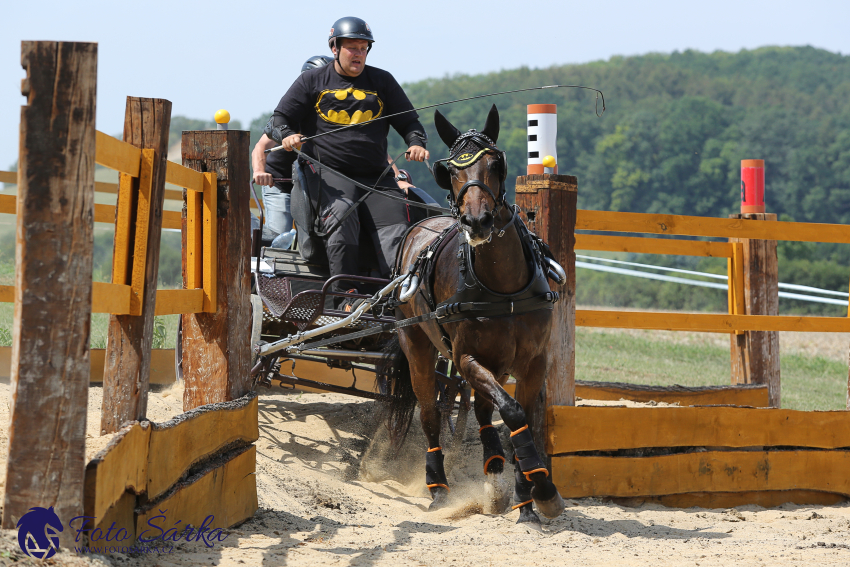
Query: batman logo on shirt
pixel 349 106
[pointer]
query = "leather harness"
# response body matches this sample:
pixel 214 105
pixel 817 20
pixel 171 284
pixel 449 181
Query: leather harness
pixel 472 299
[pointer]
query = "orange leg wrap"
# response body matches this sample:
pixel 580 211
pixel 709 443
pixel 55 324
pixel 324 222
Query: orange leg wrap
pixel 490 459
pixel 520 430
pixel 529 473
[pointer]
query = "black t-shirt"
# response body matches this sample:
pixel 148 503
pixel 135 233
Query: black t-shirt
pixel 279 164
pixel 322 100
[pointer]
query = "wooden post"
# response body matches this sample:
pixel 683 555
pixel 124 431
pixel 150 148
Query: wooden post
pixel 216 346
pixel 126 374
pixel 53 285
pixel 755 354
pixel 548 205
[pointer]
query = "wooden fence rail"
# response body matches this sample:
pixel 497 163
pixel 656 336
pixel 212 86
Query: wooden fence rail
pixel 122 298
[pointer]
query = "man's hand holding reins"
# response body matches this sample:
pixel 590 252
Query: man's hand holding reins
pixel 263 178
pixel 293 141
pixel 417 153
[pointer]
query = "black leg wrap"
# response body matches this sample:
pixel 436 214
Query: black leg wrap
pixel 522 499
pixel 529 459
pixel 522 487
pixel 435 473
pixel 494 453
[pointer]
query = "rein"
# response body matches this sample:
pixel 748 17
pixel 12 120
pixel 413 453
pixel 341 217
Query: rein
pixel 597 91
pixel 371 189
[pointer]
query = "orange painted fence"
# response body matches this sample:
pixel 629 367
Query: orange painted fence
pixel 121 297
pixel 680 225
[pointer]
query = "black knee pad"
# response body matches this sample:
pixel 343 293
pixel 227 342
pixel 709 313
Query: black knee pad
pixel 493 450
pixel 435 473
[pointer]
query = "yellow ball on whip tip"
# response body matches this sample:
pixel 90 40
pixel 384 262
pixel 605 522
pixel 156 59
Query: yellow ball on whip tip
pixel 549 161
pixel 222 117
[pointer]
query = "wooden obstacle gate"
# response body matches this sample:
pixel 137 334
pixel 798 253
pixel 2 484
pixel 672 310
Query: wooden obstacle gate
pixel 704 454
pixel 202 462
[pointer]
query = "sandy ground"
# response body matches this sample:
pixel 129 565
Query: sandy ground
pixel 330 496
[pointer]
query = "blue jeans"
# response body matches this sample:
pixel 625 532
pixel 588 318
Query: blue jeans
pixel 276 204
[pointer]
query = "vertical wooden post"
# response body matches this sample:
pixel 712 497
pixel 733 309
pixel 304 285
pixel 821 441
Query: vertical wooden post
pixel 53 285
pixel 755 354
pixel 216 346
pixel 548 205
pixel 126 373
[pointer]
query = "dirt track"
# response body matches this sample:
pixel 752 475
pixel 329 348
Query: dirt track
pixel 323 503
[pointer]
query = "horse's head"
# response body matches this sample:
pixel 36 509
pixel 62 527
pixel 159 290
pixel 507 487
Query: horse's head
pixel 474 174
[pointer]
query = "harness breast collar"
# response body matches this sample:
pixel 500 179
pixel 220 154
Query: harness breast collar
pixel 474 300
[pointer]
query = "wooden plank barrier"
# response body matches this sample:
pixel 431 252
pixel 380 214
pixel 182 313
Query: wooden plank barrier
pixel 162 365
pixel 588 428
pixel 120 467
pixel 200 463
pixel 725 451
pixel 753 395
pixel 191 436
pixel 680 225
pixel 639 245
pixel 713 471
pixel 231 487
pixel 117 155
pixel 709 322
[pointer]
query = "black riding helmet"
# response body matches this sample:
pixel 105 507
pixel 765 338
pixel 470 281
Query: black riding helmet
pixel 315 62
pixel 352 28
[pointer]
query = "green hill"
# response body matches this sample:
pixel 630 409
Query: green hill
pixel 671 141
pixel 677 126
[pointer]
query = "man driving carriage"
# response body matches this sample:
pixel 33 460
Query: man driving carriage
pixel 321 101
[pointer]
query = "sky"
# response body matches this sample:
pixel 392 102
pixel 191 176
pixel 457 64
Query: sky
pixel 242 56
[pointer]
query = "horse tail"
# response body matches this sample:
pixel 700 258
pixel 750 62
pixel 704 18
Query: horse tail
pixel 394 369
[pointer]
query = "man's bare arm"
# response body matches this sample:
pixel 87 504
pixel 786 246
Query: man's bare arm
pixel 258 161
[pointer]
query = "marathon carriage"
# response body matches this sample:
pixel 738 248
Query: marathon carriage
pixel 298 317
pixel 470 289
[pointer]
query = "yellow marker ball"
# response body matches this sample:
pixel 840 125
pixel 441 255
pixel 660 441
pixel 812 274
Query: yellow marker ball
pixel 222 117
pixel 549 161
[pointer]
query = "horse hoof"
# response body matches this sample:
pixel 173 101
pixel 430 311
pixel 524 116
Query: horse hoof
pixel 440 498
pixel 552 507
pixel 498 495
pixel 529 519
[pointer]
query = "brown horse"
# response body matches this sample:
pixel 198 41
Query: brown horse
pixel 484 271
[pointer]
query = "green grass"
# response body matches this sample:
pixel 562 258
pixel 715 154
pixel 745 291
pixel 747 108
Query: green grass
pixel 808 382
pixel 165 328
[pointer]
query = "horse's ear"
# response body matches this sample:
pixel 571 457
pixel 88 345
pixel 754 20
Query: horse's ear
pixel 491 127
pixel 448 133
